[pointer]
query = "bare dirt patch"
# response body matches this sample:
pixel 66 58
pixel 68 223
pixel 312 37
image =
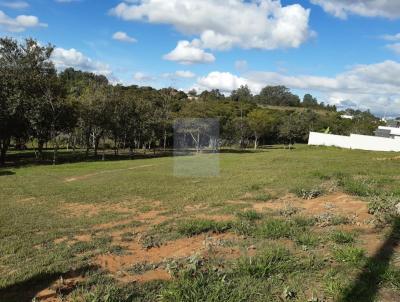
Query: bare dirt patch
pixel 118 265
pixel 335 203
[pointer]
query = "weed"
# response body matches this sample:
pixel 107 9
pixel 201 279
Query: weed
pixel 303 221
pixel 307 239
pixel 275 229
pixel 195 227
pixel 269 262
pixel 308 193
pixel 341 237
pixel 250 215
pixel 263 197
pixel 349 254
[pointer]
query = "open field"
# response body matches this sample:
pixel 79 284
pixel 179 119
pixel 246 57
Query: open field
pixel 310 224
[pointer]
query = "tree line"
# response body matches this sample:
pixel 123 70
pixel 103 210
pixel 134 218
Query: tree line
pixel 40 106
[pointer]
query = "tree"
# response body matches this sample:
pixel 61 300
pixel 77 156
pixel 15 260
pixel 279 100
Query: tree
pixel 277 96
pixel 242 94
pixel 94 113
pixel 309 101
pixel 260 122
pixel 12 117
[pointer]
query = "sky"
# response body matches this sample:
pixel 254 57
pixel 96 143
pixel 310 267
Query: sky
pixel 345 52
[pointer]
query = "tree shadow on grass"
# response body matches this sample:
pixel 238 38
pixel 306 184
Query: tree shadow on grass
pixel 6 173
pixel 26 291
pixel 366 286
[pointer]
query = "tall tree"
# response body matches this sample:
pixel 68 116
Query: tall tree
pixel 277 96
pixel 12 119
pixel 261 123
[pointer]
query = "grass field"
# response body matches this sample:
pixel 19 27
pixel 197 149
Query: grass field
pixel 310 224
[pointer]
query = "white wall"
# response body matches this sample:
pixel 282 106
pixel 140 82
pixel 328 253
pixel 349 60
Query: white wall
pixel 322 139
pixel 355 141
pixel 393 131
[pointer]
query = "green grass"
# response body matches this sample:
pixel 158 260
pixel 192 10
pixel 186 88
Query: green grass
pixel 195 227
pixel 34 216
pixel 341 237
pixel 350 255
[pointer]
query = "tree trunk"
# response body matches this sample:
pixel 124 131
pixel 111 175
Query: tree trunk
pixel 165 139
pixel 55 150
pixel 104 149
pixel 96 145
pixel 87 144
pixel 40 149
pixel 3 150
pixel 198 141
pixel 255 142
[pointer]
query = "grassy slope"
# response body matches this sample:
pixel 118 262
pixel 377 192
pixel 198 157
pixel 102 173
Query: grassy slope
pixel 26 222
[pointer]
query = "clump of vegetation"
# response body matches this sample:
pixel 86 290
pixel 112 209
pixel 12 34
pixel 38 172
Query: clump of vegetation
pixel 328 219
pixel 342 237
pixel 303 221
pixel 307 239
pixel 308 193
pixel 359 187
pixel 276 228
pixel 267 263
pixel 263 197
pixel 195 227
pixel 127 236
pixel 250 215
pixel 349 254
pixel 244 227
pixel 141 268
pixel 384 208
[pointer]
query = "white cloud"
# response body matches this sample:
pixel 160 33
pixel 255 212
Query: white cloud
pixel 373 86
pixel 225 81
pixel 143 77
pixel 185 74
pixel 189 53
pixel 123 37
pixel 221 25
pixel 395 47
pixel 15 4
pixel 64 58
pixel 367 8
pixel 395 37
pixel 20 23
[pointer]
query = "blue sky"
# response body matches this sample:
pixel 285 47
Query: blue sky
pixel 346 52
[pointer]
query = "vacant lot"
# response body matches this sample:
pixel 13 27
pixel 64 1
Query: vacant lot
pixel 310 224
